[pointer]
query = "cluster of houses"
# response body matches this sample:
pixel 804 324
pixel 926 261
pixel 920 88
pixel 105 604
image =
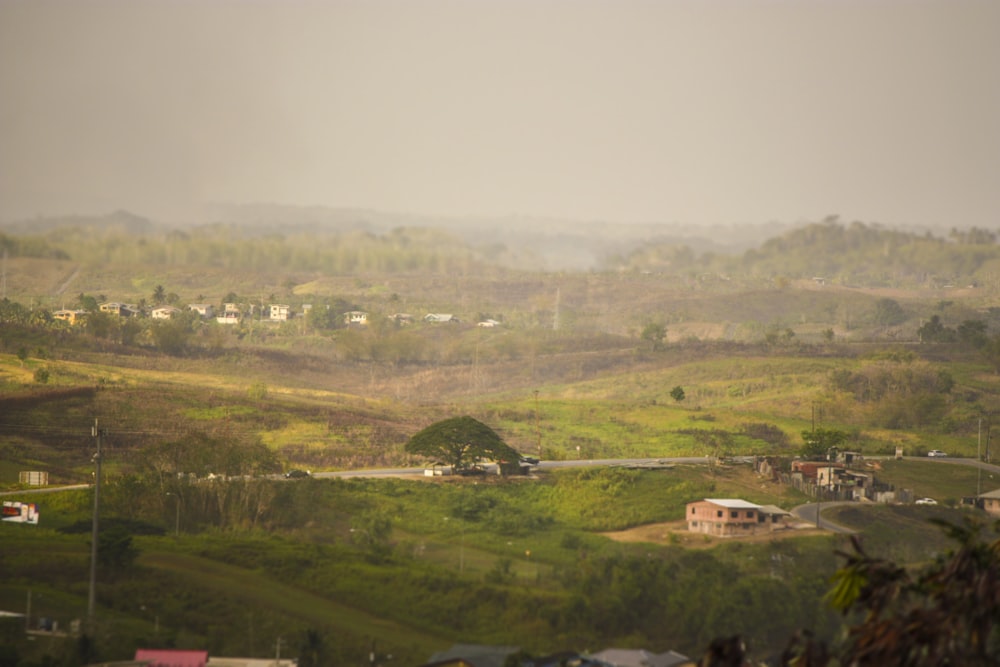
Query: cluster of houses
pixel 459 655
pixel 231 313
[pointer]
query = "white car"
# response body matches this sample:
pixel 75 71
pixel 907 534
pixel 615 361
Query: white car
pixel 936 452
pixel 926 501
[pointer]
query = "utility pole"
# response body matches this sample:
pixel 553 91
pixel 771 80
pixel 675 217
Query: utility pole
pixel 979 459
pixel 277 653
pixel 538 428
pixel 96 433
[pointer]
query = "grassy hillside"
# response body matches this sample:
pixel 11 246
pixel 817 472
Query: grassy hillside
pixel 573 372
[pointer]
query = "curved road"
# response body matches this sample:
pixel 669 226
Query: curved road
pixel 809 513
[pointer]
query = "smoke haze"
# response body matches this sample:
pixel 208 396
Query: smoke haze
pixel 688 112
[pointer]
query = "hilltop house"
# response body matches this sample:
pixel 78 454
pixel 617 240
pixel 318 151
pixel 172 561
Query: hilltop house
pixel 727 517
pixel 440 317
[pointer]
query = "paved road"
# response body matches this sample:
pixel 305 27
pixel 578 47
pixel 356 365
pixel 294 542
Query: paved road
pixel 47 489
pixel 808 514
pixel 542 465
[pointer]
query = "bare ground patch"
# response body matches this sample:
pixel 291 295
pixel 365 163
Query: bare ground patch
pixel 676 533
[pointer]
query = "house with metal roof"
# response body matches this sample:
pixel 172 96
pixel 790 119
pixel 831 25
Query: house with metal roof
pixel 724 517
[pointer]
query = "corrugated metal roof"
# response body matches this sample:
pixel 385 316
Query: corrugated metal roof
pixel 732 503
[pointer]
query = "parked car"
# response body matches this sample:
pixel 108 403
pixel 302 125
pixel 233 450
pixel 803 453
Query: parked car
pixel 471 470
pixel 297 474
pixel 530 460
pixel 936 452
pixel 926 501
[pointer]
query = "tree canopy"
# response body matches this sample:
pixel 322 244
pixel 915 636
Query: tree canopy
pixel 459 441
pixel 818 442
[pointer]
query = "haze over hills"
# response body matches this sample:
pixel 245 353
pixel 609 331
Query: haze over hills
pixel 526 243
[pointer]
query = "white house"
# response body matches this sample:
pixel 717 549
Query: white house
pixel 279 312
pixel 440 317
pixel 356 317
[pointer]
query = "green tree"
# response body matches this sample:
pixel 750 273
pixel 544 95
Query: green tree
pixel 371 531
pixel 159 295
pixel 101 325
pixel 677 393
pixel 888 312
pixel 172 336
pixel 817 442
pixel 944 613
pixel 459 441
pixel 87 302
pixel 973 333
pixel 654 332
pixel 312 649
pixel 115 550
pixel 42 375
pixel 934 331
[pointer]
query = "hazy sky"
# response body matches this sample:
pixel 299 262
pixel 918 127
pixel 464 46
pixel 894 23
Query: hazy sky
pixel 707 111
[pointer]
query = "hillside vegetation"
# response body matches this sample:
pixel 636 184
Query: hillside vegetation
pixel 889 337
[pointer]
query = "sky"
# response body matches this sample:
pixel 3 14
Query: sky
pixel 688 112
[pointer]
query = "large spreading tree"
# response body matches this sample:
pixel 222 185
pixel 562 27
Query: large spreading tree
pixel 459 442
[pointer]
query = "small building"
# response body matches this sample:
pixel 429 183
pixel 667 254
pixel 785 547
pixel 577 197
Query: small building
pixel 401 318
pixel 440 317
pixel 472 655
pixel 230 314
pixel 164 312
pixel 158 657
pixel 279 312
pixel 989 502
pixel 251 662
pixel 33 477
pixel 71 316
pixel 626 657
pixel 120 309
pixel 724 517
pixel 488 324
pixel 358 317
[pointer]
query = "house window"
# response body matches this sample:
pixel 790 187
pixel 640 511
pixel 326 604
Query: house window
pixel 750 514
pixel 734 514
pixel 692 510
pixel 719 514
pixel 694 524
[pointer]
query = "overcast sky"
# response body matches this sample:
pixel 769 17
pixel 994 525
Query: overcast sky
pixel 692 112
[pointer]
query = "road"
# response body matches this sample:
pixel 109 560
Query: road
pixel 808 514
pixel 542 465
